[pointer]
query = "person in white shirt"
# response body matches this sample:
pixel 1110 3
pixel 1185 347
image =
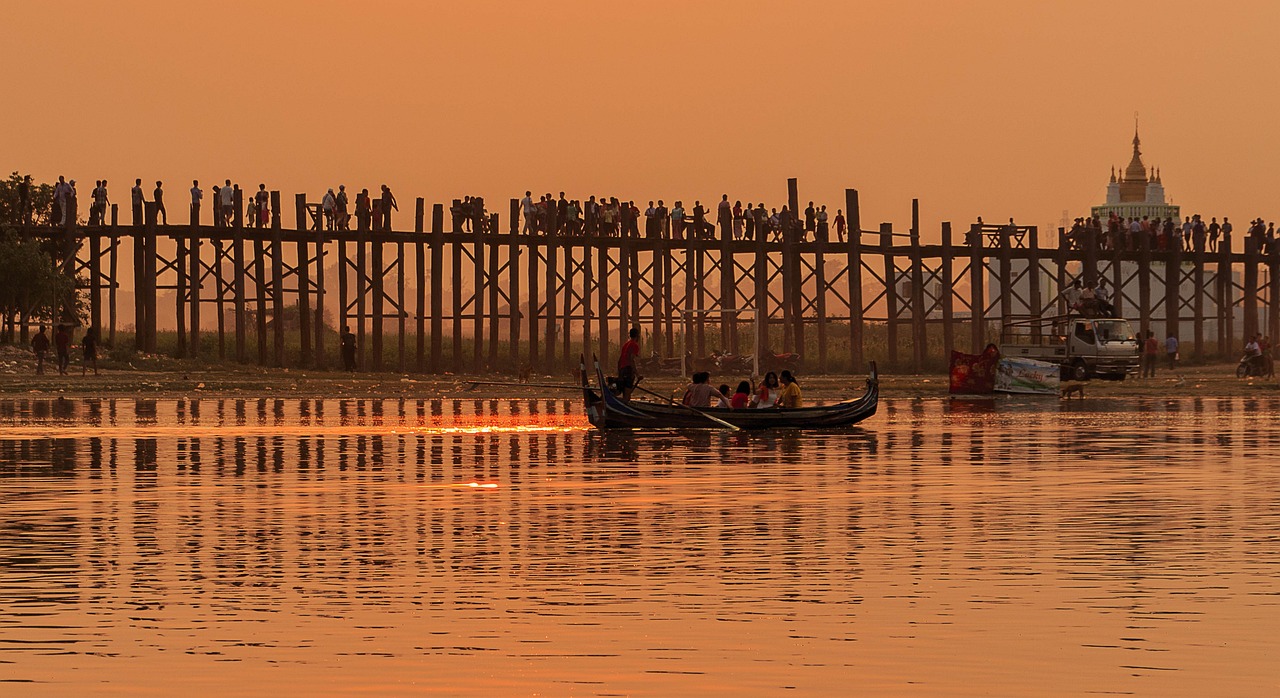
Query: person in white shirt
pixel 1071 295
pixel 326 205
pixel 228 203
pixel 527 208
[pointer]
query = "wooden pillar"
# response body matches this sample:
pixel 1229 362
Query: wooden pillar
pixel 948 293
pixel 455 282
pixel 494 295
pixel 1060 258
pixel 344 297
pixel 659 290
pixel 820 299
pixel 1250 300
pixel 668 299
pixel 1144 284
pixel 112 268
pixel 891 293
pixel 589 291
pixel 533 305
pixel 221 296
pixel 602 299
pixel 1117 279
pixel 977 294
pixel 362 295
pixel 513 292
pixel 791 267
pixel 377 292
pixel 139 288
pixel 690 282
pixel 402 317
pixel 420 286
pixel 919 342
pixel 1006 275
pixel 1273 294
pixel 277 280
pixel 1090 271
pixel 180 293
pixel 699 247
pixel 195 275
pixel 854 262
pixel 437 285
pixel 626 286
pixel 304 279
pixel 319 325
pixel 550 291
pixel 477 301
pixel 1173 290
pixel 260 294
pixel 565 340
pixel 728 292
pixel 95 279
pixel 1197 303
pixel 1226 303
pixel 1033 279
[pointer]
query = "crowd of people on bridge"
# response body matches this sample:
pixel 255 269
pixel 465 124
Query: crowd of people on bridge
pixel 1193 234
pixel 609 216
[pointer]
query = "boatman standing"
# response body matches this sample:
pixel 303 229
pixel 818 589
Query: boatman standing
pixel 627 363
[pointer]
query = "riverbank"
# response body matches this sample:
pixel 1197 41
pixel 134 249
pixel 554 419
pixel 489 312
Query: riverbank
pixel 155 377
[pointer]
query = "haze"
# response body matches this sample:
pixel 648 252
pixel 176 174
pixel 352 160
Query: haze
pixel 996 108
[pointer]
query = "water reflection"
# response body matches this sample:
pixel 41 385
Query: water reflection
pixel 1093 545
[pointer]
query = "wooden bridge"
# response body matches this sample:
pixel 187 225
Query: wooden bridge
pixel 505 299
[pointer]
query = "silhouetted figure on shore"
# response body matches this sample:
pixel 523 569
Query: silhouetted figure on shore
pixel 348 347
pixel 162 217
pixel 89 347
pixel 62 345
pixel 40 346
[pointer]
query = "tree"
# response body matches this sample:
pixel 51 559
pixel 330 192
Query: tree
pixel 41 201
pixel 32 287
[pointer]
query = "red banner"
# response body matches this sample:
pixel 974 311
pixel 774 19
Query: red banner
pixel 974 374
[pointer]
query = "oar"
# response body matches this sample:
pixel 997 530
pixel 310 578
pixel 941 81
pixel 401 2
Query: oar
pixel 472 385
pixel 692 409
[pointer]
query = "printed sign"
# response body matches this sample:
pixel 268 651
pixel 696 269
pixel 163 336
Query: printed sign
pixel 1027 376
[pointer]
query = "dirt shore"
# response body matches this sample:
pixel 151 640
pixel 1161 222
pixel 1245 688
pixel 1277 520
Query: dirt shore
pixel 167 378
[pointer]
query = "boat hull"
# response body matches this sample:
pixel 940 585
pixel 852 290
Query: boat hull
pixel 606 411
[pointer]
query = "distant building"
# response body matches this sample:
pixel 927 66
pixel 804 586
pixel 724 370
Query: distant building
pixel 1133 194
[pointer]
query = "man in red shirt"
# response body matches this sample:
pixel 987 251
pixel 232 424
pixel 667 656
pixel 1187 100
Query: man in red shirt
pixel 627 364
pixel 1150 350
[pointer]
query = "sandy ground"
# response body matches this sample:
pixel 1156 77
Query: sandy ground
pixel 158 377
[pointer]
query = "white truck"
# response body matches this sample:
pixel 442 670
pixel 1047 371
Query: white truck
pixel 1085 347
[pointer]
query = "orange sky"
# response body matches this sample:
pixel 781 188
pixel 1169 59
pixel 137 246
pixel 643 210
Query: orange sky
pixel 996 108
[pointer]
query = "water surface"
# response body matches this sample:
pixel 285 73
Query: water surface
pixel 243 547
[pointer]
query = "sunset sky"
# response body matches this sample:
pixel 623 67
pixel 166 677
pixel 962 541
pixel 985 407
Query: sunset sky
pixel 995 108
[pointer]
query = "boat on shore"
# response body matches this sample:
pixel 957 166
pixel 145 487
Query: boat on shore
pixel 606 410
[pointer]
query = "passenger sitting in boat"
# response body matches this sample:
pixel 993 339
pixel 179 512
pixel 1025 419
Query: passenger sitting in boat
pixel 767 395
pixel 741 399
pixel 701 394
pixel 790 398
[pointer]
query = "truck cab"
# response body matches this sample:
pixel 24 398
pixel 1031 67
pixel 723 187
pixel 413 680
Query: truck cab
pixel 1084 347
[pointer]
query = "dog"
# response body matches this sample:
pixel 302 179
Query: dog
pixel 525 370
pixel 1077 388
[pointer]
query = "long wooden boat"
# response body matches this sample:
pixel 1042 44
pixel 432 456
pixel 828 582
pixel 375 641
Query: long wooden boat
pixel 608 411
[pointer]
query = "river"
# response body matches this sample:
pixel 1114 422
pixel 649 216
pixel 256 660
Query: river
pixel 482 547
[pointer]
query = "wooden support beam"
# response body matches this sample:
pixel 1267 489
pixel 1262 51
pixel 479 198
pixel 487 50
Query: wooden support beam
pixel 180 293
pixel 477 301
pixel 1197 303
pixel 437 286
pixel 551 288
pixel 891 293
pixel 1226 301
pixel 260 295
pixel 1005 253
pixel 112 268
pixel 1173 290
pixel 533 303
pixel 513 290
pixel 362 296
pixel 455 281
pixel 948 293
pixel 1033 279
pixel 919 343
pixel 794 298
pixel 1250 296
pixel 420 286
pixel 602 300
pixel 494 317
pixel 402 318
pixel 854 261
pixel 377 283
pixel 319 326
pixel 1144 284
pixel 195 277
pixel 277 281
pixel 304 279
pixel 977 295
